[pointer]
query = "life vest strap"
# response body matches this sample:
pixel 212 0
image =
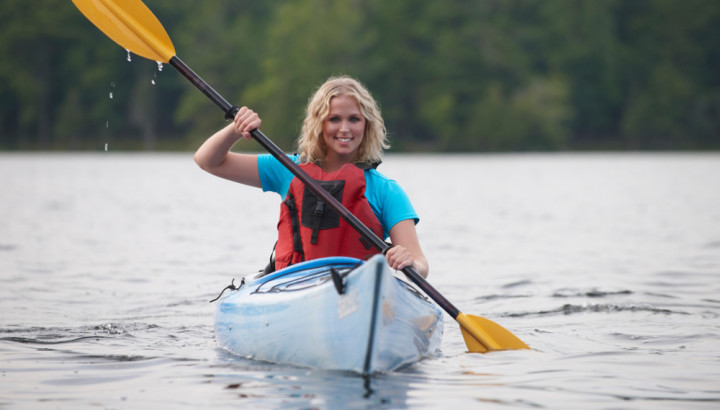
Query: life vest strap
pixel 319 210
pixel 295 223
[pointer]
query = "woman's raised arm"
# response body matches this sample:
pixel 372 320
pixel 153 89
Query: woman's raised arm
pixel 214 154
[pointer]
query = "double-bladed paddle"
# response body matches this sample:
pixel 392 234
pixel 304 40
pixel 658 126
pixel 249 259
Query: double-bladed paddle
pixel 134 27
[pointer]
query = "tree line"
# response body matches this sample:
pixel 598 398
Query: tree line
pixel 452 75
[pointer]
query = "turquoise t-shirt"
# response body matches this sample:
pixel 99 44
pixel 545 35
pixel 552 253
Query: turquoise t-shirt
pixel 387 199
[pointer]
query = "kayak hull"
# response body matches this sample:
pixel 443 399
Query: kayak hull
pixel 298 316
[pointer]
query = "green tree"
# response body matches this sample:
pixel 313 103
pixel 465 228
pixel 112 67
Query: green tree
pixel 451 75
pixel 672 55
pixel 306 41
pixel 32 38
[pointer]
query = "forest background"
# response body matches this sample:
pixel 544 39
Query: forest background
pixel 450 75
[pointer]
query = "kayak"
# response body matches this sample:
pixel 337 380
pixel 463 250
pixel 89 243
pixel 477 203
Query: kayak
pixel 335 313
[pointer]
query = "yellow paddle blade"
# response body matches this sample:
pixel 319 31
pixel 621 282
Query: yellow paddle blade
pixel 130 24
pixel 483 335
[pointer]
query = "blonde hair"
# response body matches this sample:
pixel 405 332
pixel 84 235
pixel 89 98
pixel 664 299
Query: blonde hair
pixel 311 145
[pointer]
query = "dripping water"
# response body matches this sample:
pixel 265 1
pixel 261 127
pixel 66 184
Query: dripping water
pixel 107 122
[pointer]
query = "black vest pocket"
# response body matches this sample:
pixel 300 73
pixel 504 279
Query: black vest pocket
pixel 317 215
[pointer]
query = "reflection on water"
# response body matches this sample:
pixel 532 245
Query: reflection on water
pixel 606 265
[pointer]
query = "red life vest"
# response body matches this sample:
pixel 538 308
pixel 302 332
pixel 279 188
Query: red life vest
pixel 310 229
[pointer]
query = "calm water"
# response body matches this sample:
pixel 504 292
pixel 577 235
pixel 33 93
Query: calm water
pixel 607 265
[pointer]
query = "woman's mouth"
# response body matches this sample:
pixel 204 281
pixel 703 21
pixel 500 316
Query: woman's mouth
pixel 344 140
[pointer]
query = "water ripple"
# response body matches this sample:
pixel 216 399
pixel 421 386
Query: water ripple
pixel 29 340
pixel 593 293
pixel 6 247
pixel 569 309
pixel 48 336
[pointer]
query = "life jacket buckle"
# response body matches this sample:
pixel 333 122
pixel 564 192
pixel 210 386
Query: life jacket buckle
pixel 319 209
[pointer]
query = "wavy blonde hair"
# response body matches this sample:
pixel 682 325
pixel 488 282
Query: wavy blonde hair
pixel 311 145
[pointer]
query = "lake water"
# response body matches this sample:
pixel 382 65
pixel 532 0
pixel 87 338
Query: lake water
pixel 607 265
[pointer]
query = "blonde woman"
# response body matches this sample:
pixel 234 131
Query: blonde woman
pixel 340 145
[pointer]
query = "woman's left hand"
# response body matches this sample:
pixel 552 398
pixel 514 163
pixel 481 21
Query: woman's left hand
pixel 406 250
pixel 399 257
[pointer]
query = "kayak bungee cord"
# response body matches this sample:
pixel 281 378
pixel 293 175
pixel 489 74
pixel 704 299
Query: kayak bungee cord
pixel 231 286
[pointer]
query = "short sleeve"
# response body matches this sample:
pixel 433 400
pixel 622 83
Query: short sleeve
pixel 388 201
pixel 274 177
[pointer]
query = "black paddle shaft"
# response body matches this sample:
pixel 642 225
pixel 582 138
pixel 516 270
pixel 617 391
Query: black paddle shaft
pixel 230 112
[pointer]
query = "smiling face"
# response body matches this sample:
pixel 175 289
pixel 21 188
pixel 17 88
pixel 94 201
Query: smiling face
pixel 343 130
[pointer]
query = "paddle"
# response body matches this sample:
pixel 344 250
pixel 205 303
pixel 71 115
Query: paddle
pixel 133 26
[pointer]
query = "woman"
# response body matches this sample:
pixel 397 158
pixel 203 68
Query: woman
pixel 342 139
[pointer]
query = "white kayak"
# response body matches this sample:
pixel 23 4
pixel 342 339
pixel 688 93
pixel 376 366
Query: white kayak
pixel 333 313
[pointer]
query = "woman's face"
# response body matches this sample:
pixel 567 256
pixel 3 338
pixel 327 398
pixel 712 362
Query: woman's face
pixel 343 129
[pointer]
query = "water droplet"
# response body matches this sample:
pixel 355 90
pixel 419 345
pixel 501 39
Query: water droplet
pixel 112 84
pixel 129 57
pixel 107 124
pixel 106 146
pixel 160 66
pixel 111 95
pixel 153 82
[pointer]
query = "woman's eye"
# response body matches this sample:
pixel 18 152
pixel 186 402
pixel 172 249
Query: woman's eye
pixel 333 119
pixel 354 119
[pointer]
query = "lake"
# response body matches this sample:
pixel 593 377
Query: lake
pixel 607 265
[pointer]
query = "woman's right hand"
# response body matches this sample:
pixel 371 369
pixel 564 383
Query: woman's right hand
pixel 245 121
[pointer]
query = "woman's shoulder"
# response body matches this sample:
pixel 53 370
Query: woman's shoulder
pixel 268 160
pixel 373 173
pixel 389 198
pixel 273 174
pixel 382 185
pixel 375 177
